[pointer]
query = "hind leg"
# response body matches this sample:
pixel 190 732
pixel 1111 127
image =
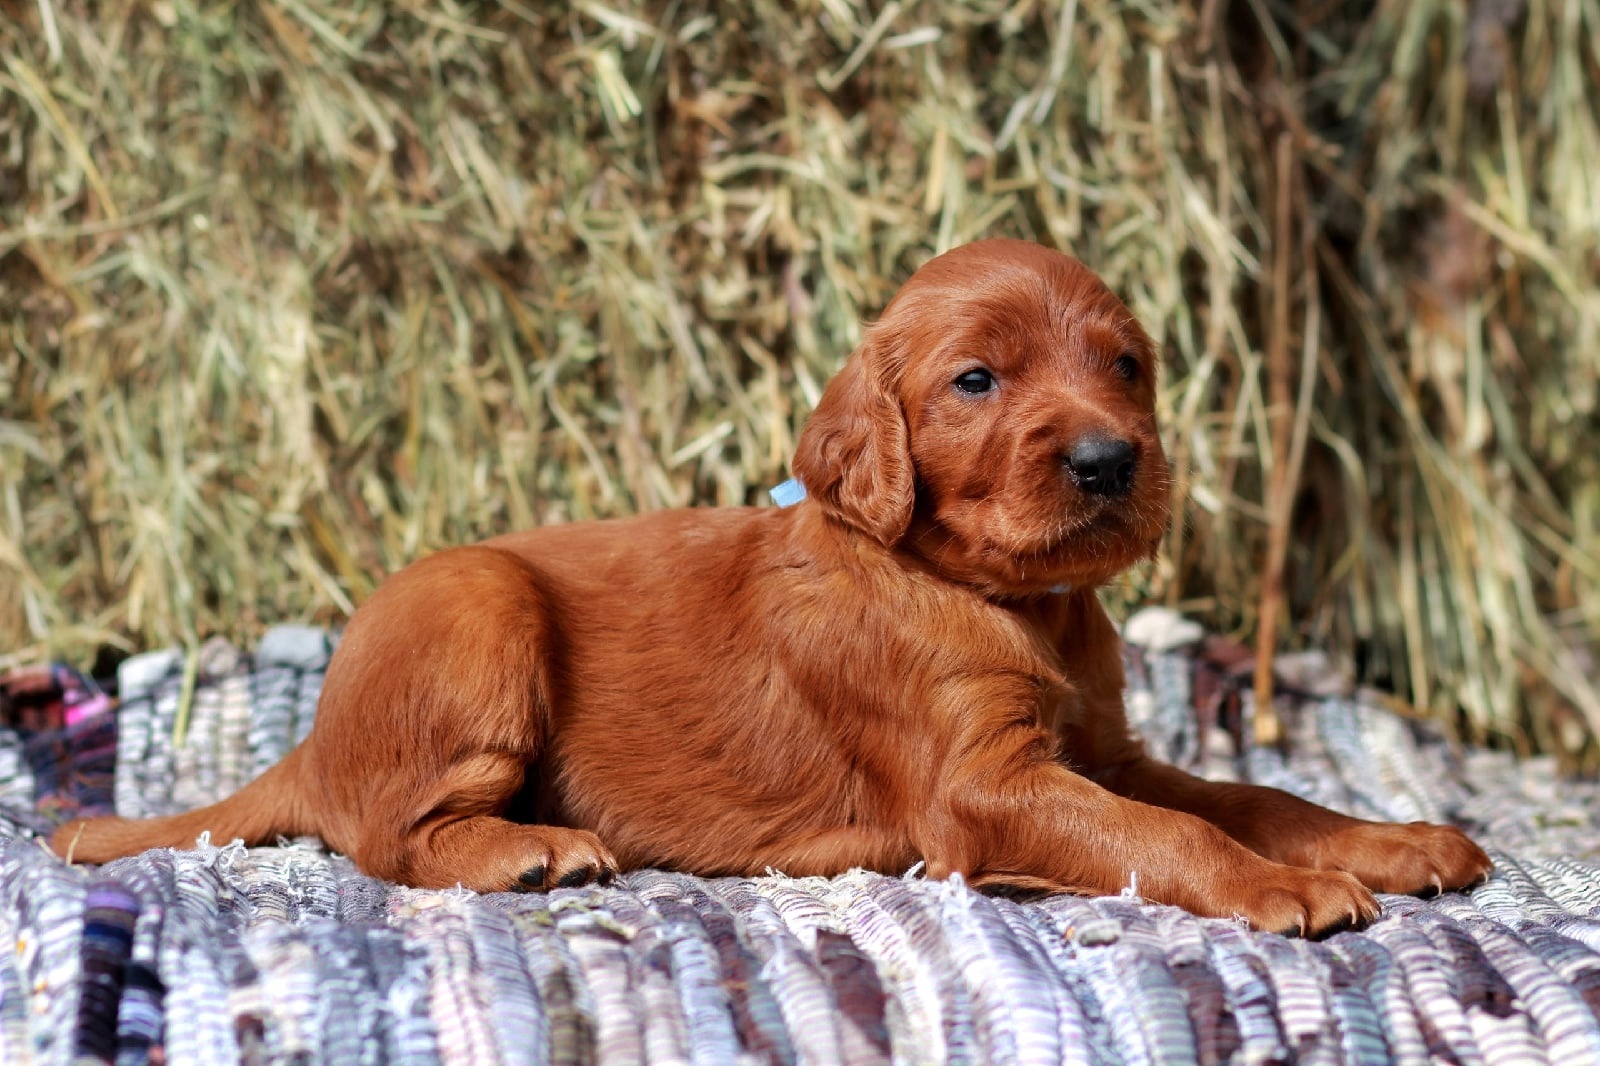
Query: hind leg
pixel 463 840
pixel 436 706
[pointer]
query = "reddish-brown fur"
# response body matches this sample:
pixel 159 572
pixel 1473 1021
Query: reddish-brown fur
pixel 879 675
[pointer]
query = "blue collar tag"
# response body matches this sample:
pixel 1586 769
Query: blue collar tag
pixel 789 493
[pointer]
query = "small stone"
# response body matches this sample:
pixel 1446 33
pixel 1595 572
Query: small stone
pixel 1098 933
pixel 1161 629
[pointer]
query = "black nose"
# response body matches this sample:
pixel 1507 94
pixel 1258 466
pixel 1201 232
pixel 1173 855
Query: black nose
pixel 1101 465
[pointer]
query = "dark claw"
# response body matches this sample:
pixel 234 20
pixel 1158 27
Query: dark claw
pixel 1343 925
pixel 1428 893
pixel 531 879
pixel 577 877
pixel 607 875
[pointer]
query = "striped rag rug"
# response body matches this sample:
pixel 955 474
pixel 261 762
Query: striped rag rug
pixel 288 954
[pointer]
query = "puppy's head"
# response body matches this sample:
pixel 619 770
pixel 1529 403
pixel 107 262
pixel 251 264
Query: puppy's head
pixel 999 421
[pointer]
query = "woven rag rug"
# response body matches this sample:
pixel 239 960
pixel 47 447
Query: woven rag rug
pixel 288 954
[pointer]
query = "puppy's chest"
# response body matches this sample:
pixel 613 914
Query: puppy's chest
pixel 995 666
pixel 1034 674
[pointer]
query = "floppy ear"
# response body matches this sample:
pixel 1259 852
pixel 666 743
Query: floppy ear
pixel 854 457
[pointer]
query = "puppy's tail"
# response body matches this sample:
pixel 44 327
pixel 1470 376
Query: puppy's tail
pixel 267 808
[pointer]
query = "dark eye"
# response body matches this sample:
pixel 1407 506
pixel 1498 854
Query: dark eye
pixel 974 382
pixel 1126 367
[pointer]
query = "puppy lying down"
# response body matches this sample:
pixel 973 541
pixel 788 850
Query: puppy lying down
pixel 909 665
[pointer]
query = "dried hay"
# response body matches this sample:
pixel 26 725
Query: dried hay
pixel 291 293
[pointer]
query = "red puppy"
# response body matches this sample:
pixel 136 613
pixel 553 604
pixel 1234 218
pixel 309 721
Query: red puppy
pixel 911 664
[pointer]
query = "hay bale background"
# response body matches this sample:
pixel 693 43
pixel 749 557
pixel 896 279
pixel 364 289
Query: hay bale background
pixel 292 293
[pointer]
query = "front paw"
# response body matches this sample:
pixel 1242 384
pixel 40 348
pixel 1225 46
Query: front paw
pixel 1297 902
pixel 1413 859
